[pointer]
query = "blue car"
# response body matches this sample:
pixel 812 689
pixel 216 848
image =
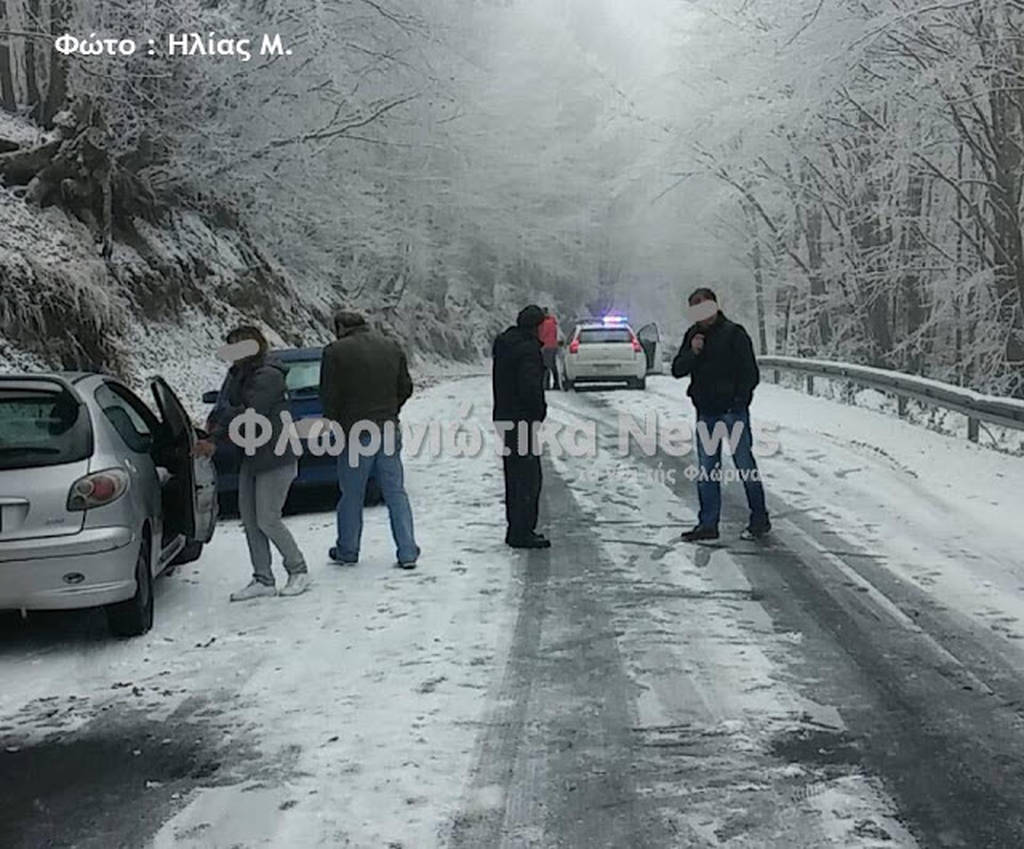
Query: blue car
pixel 316 474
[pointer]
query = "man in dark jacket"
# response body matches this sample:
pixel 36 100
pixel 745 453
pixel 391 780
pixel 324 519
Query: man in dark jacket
pixel 364 380
pixel 718 357
pixel 519 408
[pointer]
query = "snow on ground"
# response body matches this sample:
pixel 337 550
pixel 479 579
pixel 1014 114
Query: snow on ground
pixel 362 700
pixel 718 671
pixel 428 370
pixel 363 697
pixel 938 510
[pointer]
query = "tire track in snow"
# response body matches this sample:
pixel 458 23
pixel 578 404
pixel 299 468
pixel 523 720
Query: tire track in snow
pixel 556 757
pixel 492 793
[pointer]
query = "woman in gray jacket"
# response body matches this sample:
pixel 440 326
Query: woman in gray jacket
pixel 264 479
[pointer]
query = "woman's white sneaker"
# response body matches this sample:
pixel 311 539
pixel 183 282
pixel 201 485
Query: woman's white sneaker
pixel 253 590
pixel 297 584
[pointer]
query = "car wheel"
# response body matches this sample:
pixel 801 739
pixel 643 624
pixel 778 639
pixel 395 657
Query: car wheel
pixel 134 617
pixel 641 383
pixel 569 385
pixel 189 554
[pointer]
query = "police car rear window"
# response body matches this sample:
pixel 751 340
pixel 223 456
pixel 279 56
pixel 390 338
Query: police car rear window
pixel 604 335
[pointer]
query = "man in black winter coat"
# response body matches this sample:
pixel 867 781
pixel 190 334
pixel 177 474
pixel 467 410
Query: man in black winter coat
pixel 519 408
pixel 718 357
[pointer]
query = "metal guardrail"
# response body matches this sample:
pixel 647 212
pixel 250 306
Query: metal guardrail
pixel 1007 412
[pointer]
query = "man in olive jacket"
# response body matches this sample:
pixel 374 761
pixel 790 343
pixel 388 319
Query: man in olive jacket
pixel 364 378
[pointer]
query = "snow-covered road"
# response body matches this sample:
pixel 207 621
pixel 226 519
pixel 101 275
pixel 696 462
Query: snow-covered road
pixel 856 683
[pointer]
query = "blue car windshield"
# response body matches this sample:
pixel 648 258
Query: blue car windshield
pixel 303 377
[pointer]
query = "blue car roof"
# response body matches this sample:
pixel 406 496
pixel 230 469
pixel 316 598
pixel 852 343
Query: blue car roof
pixel 294 355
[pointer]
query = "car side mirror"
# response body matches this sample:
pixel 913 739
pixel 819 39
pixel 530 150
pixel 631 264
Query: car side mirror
pixel 211 397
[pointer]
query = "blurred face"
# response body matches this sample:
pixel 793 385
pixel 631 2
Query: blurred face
pixel 703 311
pixel 244 347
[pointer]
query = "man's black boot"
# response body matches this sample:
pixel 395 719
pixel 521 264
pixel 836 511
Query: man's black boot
pixel 532 540
pixel 699 534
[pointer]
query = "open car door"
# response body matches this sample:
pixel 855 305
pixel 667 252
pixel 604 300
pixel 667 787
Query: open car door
pixel 198 478
pixel 650 340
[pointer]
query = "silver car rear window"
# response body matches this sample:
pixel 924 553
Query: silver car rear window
pixel 605 335
pixel 42 426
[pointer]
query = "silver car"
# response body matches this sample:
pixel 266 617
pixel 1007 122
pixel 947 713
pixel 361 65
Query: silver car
pixel 99 494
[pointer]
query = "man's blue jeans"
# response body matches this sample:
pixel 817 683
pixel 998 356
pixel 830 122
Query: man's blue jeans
pixel 353 473
pixel 709 487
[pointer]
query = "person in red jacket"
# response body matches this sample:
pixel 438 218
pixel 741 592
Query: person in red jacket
pixel 548 333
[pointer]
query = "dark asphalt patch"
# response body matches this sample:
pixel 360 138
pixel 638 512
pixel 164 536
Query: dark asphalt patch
pixel 46 628
pixel 940 749
pixel 817 747
pixel 108 785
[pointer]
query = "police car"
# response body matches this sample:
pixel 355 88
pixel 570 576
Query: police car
pixel 605 350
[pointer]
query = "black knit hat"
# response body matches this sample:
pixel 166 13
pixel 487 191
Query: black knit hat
pixel 345 319
pixel 530 317
pixel 703 294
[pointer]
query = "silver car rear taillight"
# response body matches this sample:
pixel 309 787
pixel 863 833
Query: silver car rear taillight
pixel 98 489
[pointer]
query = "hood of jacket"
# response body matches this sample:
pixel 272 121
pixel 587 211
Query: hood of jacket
pixel 518 377
pixel 516 337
